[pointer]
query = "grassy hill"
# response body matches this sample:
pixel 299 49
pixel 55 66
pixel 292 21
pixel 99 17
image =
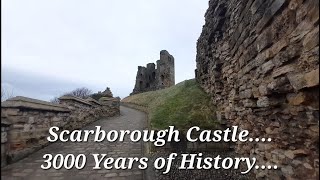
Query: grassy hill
pixel 183 105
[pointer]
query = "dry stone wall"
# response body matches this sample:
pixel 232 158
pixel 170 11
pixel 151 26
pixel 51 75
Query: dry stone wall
pixel 112 103
pixel 259 60
pixel 25 122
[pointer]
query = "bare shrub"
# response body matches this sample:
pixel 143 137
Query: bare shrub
pixel 80 92
pixel 55 100
pixel 5 94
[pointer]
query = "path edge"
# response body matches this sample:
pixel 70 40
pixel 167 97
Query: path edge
pixel 145 147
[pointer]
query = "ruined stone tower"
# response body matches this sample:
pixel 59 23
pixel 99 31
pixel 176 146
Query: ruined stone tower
pixel 154 77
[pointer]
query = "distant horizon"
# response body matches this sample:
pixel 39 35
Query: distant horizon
pixel 68 89
pixel 53 47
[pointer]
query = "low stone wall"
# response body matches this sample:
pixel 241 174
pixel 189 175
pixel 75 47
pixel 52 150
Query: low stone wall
pixel 4 139
pixel 25 122
pixel 112 103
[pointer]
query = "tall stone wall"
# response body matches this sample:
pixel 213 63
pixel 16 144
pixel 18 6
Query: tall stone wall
pixel 154 77
pixel 25 122
pixel 259 59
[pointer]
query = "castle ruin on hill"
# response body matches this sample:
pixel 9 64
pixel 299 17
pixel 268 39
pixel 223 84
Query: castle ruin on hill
pixel 154 77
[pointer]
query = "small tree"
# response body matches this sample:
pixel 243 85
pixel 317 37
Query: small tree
pixel 80 92
pixel 96 96
pixel 55 100
pixel 5 94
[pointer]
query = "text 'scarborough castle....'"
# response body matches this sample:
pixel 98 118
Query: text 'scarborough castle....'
pixel 154 77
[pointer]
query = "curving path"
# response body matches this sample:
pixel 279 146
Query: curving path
pixel 29 167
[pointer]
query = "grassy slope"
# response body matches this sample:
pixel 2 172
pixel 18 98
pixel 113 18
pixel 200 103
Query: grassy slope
pixel 182 105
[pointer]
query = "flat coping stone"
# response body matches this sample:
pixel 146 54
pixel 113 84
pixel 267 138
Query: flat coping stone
pixel 29 103
pixel 73 98
pixel 90 99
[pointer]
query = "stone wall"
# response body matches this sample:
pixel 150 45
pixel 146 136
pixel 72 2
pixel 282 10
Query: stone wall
pixel 259 59
pixel 4 141
pixel 154 77
pixel 112 103
pixel 25 122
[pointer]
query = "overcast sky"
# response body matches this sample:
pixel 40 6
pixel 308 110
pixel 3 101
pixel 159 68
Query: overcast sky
pixel 53 46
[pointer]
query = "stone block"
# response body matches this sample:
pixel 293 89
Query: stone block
pixel 297 99
pixel 27 127
pixel 4 150
pixel 18 119
pixel 268 15
pixel 245 94
pixel 17 145
pixel 255 92
pixel 17 126
pixel 297 81
pixel 249 103
pixel 311 40
pixel 31 120
pixel 56 119
pixel 278 46
pixel 264 40
pixel 14 135
pixel 263 90
pixel 300 81
pixel 279 85
pixel 267 67
pixel 11 111
pixel 4 138
pixel 283 70
pixel 312 78
pixel 263 102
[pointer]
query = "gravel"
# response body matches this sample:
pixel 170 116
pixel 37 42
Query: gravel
pixel 197 174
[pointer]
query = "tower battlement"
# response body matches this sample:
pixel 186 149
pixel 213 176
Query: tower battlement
pixel 154 77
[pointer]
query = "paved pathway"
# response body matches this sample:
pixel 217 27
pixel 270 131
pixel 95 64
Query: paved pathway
pixel 29 168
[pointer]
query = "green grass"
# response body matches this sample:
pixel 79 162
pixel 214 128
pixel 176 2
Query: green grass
pixel 183 105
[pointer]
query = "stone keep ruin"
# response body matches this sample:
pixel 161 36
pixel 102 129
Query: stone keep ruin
pixel 259 60
pixel 152 78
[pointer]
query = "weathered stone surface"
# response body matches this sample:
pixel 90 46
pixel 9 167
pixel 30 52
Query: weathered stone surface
pixel 300 81
pixel 262 59
pixel 29 103
pixel 28 121
pixel 152 78
pixel 312 78
pixel 30 167
pixel 283 70
pixel 263 102
pixel 93 101
pixel 73 98
pixel 297 99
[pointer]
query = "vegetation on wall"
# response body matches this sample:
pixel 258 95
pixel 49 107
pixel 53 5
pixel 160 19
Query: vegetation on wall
pixel 79 92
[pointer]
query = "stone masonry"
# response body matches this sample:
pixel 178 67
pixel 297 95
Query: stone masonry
pixel 29 168
pixel 259 60
pixel 25 122
pixel 152 78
